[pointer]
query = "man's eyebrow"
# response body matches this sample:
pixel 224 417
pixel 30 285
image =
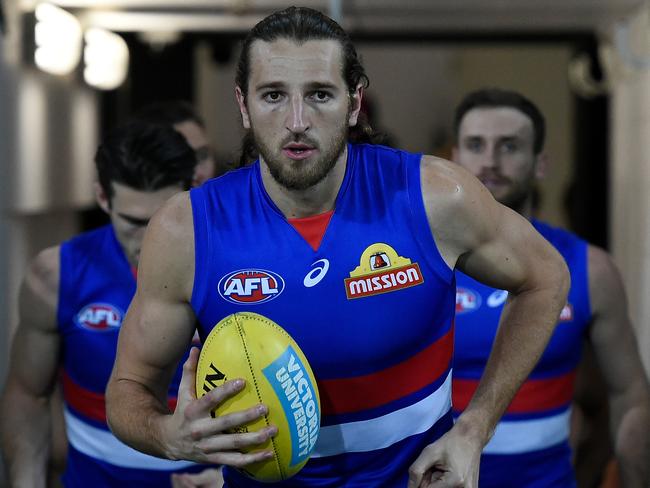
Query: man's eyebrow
pixel 314 85
pixel 510 138
pixel 134 220
pixel 321 85
pixel 271 85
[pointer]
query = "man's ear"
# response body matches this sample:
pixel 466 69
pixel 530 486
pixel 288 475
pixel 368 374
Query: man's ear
pixel 102 198
pixel 355 105
pixel 243 110
pixel 542 163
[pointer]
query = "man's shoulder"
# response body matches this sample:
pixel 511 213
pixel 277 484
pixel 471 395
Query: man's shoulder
pixel 45 264
pixel 174 217
pixel 90 237
pixel 450 188
pixel 40 290
pixel 601 266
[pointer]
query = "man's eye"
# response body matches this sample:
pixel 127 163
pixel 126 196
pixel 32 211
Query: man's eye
pixel 272 97
pixel 321 96
pixel 508 147
pixel 474 145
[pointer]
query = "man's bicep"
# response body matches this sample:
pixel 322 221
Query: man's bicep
pixel 159 324
pixel 513 255
pixel 154 336
pixel 36 343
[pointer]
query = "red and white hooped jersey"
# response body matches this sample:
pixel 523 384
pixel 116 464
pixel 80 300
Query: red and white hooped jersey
pixel 95 289
pixel 530 447
pixel 372 308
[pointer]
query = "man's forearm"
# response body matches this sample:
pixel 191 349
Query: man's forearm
pixel 632 445
pixel 527 323
pixel 135 415
pixel 26 435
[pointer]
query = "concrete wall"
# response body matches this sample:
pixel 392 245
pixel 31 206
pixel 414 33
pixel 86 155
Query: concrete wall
pixel 630 173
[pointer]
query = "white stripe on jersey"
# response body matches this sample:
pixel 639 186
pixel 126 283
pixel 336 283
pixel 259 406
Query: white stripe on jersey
pixel 384 431
pixel 104 446
pixel 519 436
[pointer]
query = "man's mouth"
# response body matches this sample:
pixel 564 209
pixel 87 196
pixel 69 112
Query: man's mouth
pixel 296 150
pixel 493 180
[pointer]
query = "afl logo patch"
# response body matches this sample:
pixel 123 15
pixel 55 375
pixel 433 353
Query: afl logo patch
pixel 99 316
pixel 467 300
pixel 250 286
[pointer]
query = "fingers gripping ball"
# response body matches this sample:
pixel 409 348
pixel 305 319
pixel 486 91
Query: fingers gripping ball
pixel 250 346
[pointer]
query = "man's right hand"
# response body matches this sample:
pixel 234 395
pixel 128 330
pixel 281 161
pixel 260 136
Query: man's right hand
pixel 191 433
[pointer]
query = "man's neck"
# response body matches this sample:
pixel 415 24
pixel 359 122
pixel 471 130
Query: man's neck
pixel 312 201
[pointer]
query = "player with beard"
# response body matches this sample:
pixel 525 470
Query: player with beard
pixel 500 139
pixel 365 239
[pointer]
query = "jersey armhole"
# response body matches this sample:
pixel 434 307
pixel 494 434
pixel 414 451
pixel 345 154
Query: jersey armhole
pixel 421 229
pixel 202 247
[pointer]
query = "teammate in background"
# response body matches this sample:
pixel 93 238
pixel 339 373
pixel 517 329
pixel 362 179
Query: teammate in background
pixel 71 306
pixel 345 234
pixel 500 138
pixel 182 116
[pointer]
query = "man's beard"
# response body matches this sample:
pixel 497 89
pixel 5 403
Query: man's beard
pixel 517 194
pixel 303 174
pixel 516 200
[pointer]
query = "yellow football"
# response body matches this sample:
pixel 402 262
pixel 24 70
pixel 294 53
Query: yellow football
pixel 250 346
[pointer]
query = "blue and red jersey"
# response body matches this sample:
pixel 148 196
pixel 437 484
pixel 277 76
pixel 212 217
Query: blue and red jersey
pixel 372 307
pixel 530 446
pixel 95 289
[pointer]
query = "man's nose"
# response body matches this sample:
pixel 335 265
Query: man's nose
pixel 298 121
pixel 490 158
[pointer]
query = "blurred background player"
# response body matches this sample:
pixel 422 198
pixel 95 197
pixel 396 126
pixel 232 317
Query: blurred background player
pixel 500 138
pixel 184 119
pixel 71 305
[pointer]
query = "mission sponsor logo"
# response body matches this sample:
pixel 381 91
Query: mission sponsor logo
pixel 467 300
pixel 250 286
pixel 381 270
pixel 99 317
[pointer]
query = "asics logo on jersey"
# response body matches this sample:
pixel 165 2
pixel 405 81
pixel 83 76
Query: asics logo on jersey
pixel 497 298
pixel 100 317
pixel 467 300
pixel 250 286
pixel 317 274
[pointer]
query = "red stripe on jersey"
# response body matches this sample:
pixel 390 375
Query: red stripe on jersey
pixel 349 395
pixel 90 403
pixel 533 396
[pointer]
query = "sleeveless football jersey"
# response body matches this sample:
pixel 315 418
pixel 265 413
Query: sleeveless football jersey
pixel 372 308
pixel 95 289
pixel 530 446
